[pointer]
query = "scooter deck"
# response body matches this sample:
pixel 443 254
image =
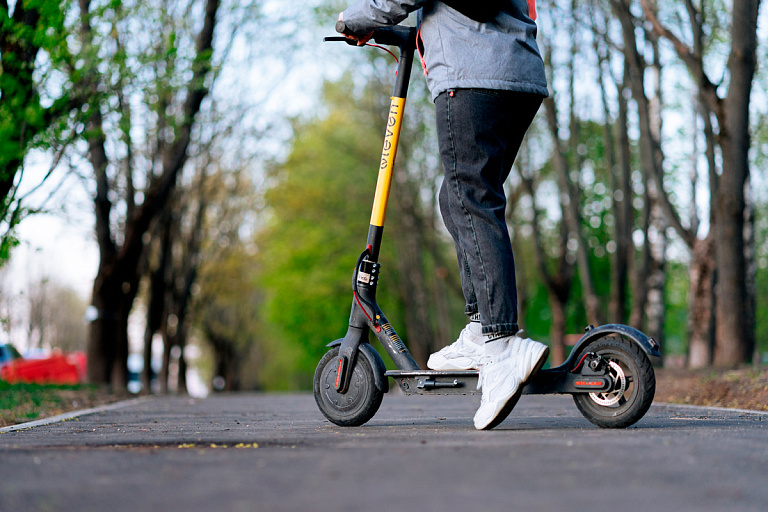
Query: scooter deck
pixel 464 382
pixel 436 382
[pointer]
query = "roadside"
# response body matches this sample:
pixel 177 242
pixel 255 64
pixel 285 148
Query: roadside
pixel 21 402
pixel 743 388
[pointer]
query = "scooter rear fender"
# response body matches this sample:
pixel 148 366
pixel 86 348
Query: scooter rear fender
pixel 374 359
pixel 649 345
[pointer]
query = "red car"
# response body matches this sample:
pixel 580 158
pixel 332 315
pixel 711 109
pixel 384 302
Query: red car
pixel 58 368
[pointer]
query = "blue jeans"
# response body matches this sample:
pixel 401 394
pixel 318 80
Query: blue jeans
pixel 479 132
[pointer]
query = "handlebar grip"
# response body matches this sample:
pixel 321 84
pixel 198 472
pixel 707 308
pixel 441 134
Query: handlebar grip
pixel 341 28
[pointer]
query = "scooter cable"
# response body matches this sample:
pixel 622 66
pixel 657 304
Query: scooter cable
pixel 581 361
pixel 382 48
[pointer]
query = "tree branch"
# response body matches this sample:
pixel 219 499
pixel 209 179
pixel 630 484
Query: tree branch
pixel 175 157
pixel 692 60
pixel 97 153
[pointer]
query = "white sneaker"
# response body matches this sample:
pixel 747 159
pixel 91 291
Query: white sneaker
pixel 466 353
pixel 502 379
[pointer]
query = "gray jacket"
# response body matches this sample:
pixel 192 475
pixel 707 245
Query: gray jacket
pixel 460 53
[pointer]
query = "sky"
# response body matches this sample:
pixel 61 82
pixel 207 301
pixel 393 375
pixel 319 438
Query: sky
pixel 58 245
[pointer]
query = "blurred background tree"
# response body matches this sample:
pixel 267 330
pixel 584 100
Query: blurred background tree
pixel 56 317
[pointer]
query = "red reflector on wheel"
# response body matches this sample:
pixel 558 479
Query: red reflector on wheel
pixel 338 372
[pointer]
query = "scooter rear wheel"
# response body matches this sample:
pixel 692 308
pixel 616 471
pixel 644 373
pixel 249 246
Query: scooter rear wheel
pixel 358 404
pixel 634 387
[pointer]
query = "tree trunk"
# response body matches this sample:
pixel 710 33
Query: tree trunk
pixel 734 341
pixel 651 156
pixel 701 318
pixel 733 344
pixel 642 270
pixel 101 355
pixel 558 285
pixel 108 337
pixel 656 278
pixel 226 364
pixel 623 208
pixel 181 276
pixel 156 302
pixel 557 329
pixel 165 371
pixel 751 277
pixel 115 286
pixel 413 291
pixel 703 271
pixel 181 383
pixel 572 218
pixel 622 194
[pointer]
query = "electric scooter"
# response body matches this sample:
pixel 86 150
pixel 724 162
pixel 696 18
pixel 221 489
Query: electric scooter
pixel 609 372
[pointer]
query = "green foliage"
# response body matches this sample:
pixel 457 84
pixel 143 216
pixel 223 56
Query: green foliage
pixel 597 215
pixel 7 242
pixel 676 309
pixel 319 209
pixel 34 96
pixel 25 104
pixel 761 257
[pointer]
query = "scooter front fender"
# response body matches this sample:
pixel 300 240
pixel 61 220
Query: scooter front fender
pixel 649 345
pixel 374 359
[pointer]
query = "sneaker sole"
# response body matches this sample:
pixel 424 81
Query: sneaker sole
pixel 512 402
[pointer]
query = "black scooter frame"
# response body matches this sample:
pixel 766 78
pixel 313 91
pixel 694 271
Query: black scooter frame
pixel 366 315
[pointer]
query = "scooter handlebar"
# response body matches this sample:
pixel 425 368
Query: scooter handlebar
pixel 350 42
pixel 394 36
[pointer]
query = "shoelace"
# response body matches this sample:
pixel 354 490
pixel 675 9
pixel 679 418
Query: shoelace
pixel 480 380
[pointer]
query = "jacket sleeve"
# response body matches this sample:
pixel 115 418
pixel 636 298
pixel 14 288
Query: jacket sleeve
pixel 364 16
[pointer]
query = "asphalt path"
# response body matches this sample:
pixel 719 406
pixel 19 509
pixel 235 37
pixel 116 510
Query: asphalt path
pixel 272 452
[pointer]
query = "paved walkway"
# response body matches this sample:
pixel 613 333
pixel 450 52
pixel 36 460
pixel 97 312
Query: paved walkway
pixel 276 452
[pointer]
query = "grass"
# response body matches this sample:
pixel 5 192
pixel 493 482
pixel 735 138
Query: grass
pixel 26 402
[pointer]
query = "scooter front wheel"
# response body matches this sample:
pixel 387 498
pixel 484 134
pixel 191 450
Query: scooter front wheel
pixel 633 389
pixel 358 404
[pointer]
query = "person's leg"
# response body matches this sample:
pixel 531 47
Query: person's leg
pixel 480 132
pixel 468 351
pixel 470 308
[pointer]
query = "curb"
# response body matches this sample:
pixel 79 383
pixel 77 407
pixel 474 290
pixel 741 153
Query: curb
pixel 73 414
pixel 712 408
